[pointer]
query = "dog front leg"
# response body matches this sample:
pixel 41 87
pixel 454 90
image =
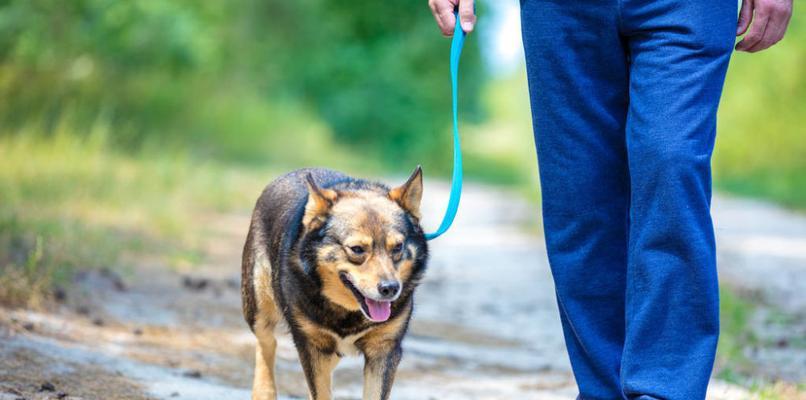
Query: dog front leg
pixel 379 372
pixel 318 367
pixel 264 387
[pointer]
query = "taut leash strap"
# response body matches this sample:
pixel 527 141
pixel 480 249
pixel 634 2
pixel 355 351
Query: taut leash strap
pixel 456 180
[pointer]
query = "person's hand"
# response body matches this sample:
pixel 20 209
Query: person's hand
pixel 769 17
pixel 443 13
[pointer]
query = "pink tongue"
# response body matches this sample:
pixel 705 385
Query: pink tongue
pixel 379 311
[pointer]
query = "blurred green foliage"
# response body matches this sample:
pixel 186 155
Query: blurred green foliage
pixel 315 82
pixel 235 80
pixel 117 118
pixel 761 140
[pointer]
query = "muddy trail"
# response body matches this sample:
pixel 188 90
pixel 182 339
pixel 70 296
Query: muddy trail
pixel 485 323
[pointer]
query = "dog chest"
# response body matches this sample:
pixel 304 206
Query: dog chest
pixel 345 346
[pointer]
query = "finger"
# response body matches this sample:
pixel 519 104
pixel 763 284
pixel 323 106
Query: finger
pixel 435 14
pixel 443 12
pixel 448 23
pixel 467 15
pixel 756 32
pixel 776 27
pixel 432 4
pixel 745 17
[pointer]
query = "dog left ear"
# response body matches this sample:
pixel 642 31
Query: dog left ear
pixel 409 194
pixel 318 205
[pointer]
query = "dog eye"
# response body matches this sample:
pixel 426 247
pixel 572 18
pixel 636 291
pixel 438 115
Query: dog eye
pixel 398 248
pixel 357 250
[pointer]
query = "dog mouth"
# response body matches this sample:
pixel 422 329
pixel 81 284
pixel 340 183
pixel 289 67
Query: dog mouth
pixel 374 310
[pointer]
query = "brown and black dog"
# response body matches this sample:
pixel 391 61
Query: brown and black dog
pixel 335 260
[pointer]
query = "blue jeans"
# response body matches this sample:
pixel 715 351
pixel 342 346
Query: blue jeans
pixel 624 98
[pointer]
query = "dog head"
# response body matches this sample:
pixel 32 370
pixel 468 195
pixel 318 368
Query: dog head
pixel 368 248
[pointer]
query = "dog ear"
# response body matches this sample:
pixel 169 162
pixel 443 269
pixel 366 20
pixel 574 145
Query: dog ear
pixel 318 205
pixel 409 194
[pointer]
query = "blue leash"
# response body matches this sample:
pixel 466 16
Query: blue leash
pixel 456 180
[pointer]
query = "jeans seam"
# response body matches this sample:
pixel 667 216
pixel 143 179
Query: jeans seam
pixel 570 324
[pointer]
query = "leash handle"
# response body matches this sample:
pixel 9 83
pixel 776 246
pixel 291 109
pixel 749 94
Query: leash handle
pixel 456 180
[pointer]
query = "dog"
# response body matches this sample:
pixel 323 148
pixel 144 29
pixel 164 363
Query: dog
pixel 335 261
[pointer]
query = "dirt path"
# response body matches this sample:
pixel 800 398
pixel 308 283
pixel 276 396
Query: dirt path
pixel 485 325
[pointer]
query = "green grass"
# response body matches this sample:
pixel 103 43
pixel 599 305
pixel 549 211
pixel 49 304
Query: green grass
pixel 779 391
pixel 735 337
pixel 68 203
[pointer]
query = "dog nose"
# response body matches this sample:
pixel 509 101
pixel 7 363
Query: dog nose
pixel 388 289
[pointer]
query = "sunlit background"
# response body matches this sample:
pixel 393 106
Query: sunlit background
pixel 132 132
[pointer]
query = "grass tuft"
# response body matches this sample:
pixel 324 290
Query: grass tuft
pixel 70 203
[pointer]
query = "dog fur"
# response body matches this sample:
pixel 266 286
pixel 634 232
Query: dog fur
pixel 319 245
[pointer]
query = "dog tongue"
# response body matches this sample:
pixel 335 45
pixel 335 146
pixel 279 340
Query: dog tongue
pixel 379 311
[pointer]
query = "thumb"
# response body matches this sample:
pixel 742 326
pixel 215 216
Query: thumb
pixel 467 15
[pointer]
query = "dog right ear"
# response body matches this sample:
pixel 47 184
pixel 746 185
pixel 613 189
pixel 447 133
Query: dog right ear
pixel 318 205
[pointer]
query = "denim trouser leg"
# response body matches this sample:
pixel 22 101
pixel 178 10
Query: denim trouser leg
pixel 624 98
